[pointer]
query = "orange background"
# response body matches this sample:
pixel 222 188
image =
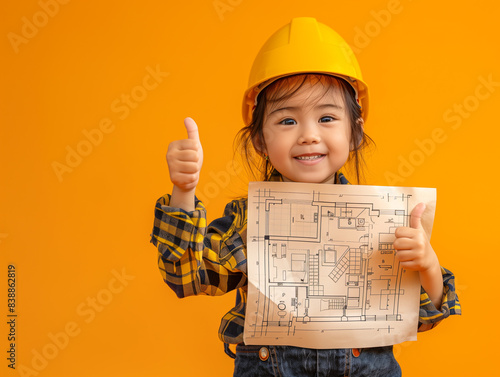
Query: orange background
pixel 70 233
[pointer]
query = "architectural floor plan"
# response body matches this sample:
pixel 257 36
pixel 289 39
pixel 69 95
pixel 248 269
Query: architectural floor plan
pixel 322 269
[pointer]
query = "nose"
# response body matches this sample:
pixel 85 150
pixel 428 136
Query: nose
pixel 309 133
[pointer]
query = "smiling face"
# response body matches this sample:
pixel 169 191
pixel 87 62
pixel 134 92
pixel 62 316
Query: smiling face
pixel 307 136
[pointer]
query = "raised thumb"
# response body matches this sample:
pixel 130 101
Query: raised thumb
pixel 192 129
pixel 416 216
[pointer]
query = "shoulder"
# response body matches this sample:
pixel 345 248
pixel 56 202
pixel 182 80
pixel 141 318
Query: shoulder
pixel 233 219
pixel 341 179
pixel 237 209
pixel 238 204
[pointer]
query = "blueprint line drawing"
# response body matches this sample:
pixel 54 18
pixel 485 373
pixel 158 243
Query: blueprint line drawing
pixel 322 269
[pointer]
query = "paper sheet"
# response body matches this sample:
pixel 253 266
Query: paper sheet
pixel 322 269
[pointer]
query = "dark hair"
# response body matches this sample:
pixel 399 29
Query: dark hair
pixel 283 89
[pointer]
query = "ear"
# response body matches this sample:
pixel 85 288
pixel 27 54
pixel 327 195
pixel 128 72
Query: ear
pixel 357 137
pixel 259 145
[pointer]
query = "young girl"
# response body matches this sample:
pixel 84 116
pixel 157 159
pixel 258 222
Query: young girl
pixel 304 111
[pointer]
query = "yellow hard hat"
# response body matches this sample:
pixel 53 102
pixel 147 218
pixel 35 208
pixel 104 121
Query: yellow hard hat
pixel 303 46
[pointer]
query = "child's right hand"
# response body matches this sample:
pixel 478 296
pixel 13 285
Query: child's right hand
pixel 185 157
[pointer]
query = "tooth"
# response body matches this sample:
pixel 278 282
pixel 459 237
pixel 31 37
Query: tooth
pixel 309 157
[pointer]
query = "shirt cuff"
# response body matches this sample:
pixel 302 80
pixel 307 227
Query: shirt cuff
pixel 176 230
pixel 429 315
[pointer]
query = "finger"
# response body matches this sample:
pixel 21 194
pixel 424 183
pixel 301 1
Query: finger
pixel 405 232
pixel 409 265
pixel 192 129
pixel 416 216
pixel 187 155
pixel 183 145
pixel 187 167
pixel 403 244
pixel 185 181
pixel 404 255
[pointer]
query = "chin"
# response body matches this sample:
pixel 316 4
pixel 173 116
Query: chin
pixel 329 179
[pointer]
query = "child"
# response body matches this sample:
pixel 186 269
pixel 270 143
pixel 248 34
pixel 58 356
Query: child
pixel 304 112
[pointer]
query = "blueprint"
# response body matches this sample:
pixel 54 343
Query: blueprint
pixel 322 271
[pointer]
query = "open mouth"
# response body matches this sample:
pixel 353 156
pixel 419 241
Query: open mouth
pixel 309 157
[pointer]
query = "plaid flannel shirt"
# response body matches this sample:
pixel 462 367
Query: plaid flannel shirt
pixel 195 258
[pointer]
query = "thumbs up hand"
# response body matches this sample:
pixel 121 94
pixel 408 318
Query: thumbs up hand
pixel 412 245
pixel 185 158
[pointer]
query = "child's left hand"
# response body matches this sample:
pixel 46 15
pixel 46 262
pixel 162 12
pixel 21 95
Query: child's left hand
pixel 415 252
pixel 412 245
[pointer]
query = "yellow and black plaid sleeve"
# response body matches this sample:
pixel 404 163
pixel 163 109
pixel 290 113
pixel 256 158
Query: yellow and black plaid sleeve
pixel 194 258
pixel 429 315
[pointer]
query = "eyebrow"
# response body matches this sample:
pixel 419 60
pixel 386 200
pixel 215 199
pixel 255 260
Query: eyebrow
pixel 292 108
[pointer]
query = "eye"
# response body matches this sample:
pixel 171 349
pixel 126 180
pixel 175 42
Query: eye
pixel 326 119
pixel 288 122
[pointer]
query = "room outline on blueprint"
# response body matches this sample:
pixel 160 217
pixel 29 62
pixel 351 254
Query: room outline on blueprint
pixel 323 261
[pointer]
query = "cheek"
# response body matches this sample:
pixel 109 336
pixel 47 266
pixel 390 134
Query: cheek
pixel 270 136
pixel 340 141
pixel 278 141
pixel 273 136
pixel 277 150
